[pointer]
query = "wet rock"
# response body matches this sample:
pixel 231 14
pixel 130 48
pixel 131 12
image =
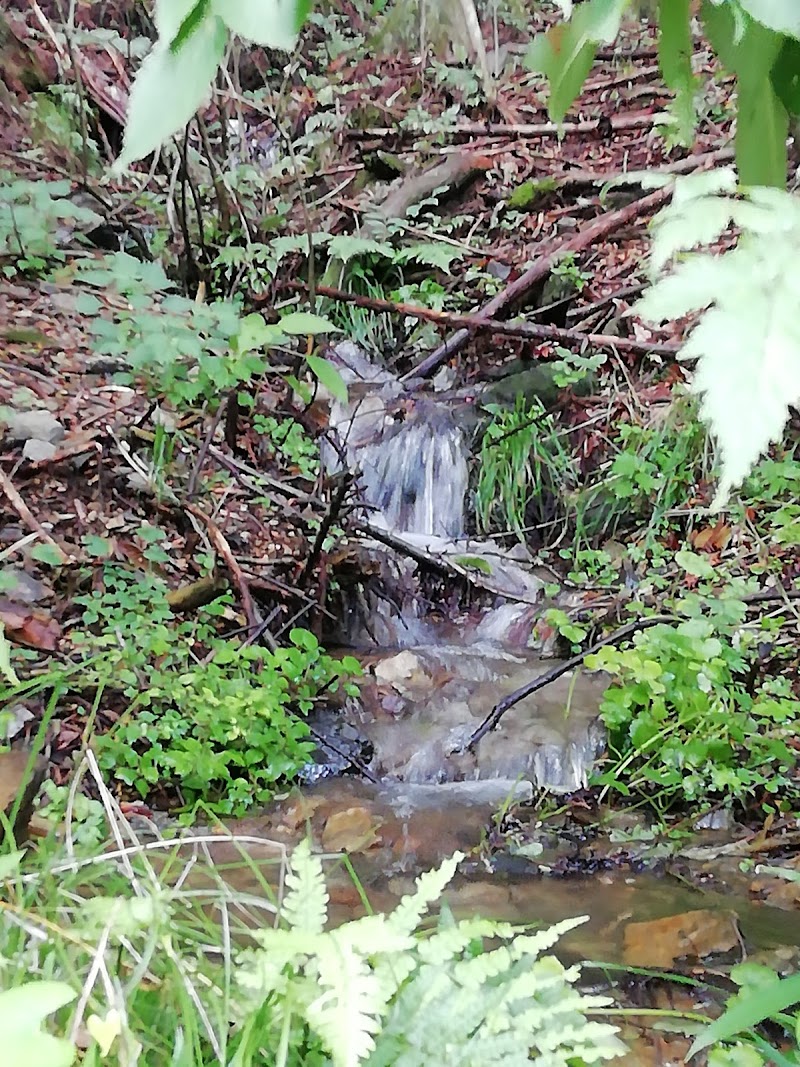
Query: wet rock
pixel 398 669
pixel 694 934
pixel 351 830
pixel 38 425
pixel 19 785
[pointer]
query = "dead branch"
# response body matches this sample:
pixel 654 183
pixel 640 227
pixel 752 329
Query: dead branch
pixel 502 129
pixel 28 517
pixel 603 226
pixel 223 549
pixel 507 703
pixel 476 322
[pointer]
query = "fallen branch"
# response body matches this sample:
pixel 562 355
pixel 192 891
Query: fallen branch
pixel 507 703
pixel 535 331
pixel 677 166
pixel 223 549
pixel 596 230
pixel 442 563
pixel 502 129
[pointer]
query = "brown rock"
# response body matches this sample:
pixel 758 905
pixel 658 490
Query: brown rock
pixel 660 942
pixel 350 830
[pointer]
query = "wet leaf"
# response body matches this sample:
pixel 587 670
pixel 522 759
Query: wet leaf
pixel 475 563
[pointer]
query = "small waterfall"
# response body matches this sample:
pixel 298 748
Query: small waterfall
pixel 411 453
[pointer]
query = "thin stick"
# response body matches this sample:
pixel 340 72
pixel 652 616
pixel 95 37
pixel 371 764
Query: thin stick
pixel 222 547
pixel 28 517
pixel 508 702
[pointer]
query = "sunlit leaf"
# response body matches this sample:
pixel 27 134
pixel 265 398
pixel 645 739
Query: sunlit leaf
pixel 565 53
pixel 328 376
pixel 302 323
pixel 744 1014
pixel 169 89
pixel 271 23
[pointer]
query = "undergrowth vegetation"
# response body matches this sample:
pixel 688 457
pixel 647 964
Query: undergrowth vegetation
pixel 208 291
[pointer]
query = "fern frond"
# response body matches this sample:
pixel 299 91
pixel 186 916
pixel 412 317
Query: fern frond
pixel 346 1014
pixel 430 886
pixel 305 905
pixel 444 945
pixel 747 341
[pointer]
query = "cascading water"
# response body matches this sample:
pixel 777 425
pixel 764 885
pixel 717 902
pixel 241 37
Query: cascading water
pixel 411 454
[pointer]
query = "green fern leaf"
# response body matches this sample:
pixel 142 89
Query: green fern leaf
pixel 747 342
pixel 346 1014
pixel 430 886
pixel 305 905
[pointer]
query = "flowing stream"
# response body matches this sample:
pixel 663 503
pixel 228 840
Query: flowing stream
pixel 435 670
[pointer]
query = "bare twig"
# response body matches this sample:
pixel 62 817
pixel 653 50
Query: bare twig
pixel 28 517
pixel 221 546
pixel 498 711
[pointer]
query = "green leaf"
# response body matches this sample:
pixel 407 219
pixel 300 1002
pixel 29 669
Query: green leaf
pixel 303 323
pixel 328 376
pixel 565 53
pixel 744 1014
pixel 431 254
pixel 747 343
pixel 750 50
pixel 782 16
pixel 675 48
pixel 473 563
pixel 169 89
pixel 255 332
pixel 9 864
pixel 23 1009
pixel 6 667
pixel 47 554
pixel 271 23
pixel 694 564
pixel 785 76
pixel 189 25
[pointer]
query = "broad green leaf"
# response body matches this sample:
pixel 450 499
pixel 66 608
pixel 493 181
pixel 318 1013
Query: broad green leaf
pixel 565 53
pixel 675 47
pixel 47 554
pixel 169 89
pixel 750 50
pixel 6 667
pixel 328 376
pixel 10 862
pixel 255 333
pixel 26 1006
pixel 694 564
pixel 783 16
pixel 192 22
pixel 302 323
pixel 785 75
pixel 473 563
pixel 744 1014
pixel 271 23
